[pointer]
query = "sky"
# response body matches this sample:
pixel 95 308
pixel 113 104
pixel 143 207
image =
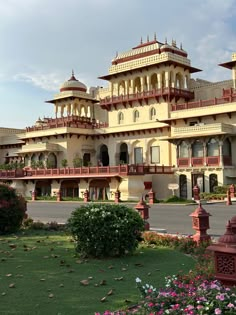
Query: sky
pixel 41 41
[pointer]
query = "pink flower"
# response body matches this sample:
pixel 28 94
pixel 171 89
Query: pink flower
pixel 230 305
pixel 218 311
pixel 220 297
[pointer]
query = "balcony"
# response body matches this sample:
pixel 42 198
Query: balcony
pixel 202 129
pixel 204 161
pixel 69 121
pixel 229 96
pixel 167 93
pixel 86 172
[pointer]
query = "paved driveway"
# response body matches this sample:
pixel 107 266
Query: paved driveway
pixel 171 218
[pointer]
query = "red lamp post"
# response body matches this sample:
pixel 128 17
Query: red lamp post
pixel 225 257
pixel 151 196
pixel 200 221
pixel 117 196
pixel 86 195
pixel 232 190
pixel 229 202
pixel 143 210
pixel 34 195
pixel 59 195
pixel 196 193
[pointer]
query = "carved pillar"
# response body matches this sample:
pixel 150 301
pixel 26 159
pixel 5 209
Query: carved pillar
pixel 167 79
pixel 190 153
pixel 159 80
pixel 126 87
pixel 142 83
pixel 131 86
pixel 111 87
pixel 148 83
pixel 204 153
pixel 56 109
pixel 221 153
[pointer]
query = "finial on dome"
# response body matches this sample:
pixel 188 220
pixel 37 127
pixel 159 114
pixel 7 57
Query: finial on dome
pixel 141 40
pixel 148 39
pixel 155 36
pixel 166 41
pixel 181 47
pixel 116 54
pixel 73 78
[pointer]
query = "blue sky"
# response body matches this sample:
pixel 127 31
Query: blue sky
pixel 41 41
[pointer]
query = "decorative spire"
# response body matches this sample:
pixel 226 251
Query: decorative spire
pixel 155 36
pixel 165 41
pixel 73 78
pixel 173 42
pixel 148 39
pixel 141 40
pixel 181 46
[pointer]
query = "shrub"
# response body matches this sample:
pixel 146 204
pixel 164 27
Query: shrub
pixel 175 199
pixel 12 209
pixel 221 189
pixel 103 230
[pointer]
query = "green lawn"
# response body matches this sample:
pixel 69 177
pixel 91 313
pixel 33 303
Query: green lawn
pixel 40 274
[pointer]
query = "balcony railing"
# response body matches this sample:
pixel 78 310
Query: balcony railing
pixel 87 171
pixel 145 95
pixel 202 128
pixel 229 96
pixel 69 121
pixel 204 161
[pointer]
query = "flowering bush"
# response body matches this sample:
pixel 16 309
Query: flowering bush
pixel 12 209
pixel 188 297
pixel 102 230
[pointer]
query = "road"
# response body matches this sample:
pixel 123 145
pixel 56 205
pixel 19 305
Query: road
pixel 169 218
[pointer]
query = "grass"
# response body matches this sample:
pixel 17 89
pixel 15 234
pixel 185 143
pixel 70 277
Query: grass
pixel 40 274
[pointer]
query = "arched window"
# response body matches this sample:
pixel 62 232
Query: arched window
pixel 137 85
pixel 121 88
pixel 179 81
pixel 27 160
pixel 197 149
pixel 120 118
pixel 213 182
pixel 183 150
pixel 212 147
pixel 154 81
pixel 124 155
pixel 183 186
pixel 152 113
pixel 136 115
pixel 52 161
pixel 226 149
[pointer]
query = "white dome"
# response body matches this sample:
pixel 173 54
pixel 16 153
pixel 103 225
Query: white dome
pixel 73 85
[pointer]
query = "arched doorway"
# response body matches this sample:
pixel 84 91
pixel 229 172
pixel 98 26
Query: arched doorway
pixel 124 156
pixel 43 188
pixel 86 159
pixel 104 156
pixel 99 189
pixel 52 161
pixel 183 191
pixel 69 188
pixel 213 182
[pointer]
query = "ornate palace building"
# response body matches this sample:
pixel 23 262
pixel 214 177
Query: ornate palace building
pixel 151 126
